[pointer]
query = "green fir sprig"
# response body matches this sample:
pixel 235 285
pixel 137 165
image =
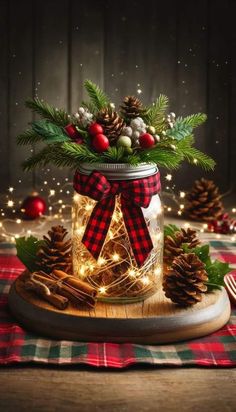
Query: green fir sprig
pixel 46 111
pixel 98 98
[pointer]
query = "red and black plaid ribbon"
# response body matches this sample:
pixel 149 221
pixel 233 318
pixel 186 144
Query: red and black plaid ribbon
pixel 134 194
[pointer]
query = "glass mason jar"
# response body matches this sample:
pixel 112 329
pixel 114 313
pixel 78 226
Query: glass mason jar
pixel 115 273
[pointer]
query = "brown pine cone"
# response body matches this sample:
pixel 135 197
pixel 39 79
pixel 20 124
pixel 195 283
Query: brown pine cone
pixel 111 122
pixel 173 244
pixel 184 283
pixel 204 201
pixel 131 108
pixel 56 251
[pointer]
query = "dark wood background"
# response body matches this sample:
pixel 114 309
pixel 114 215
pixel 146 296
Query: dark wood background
pixel 183 48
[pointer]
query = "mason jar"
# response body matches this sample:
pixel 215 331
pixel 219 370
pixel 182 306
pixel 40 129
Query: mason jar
pixel 127 267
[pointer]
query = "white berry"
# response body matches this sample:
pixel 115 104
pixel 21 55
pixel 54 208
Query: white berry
pixel 136 134
pixel 127 130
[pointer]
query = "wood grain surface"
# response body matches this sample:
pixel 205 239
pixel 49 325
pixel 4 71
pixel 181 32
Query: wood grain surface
pixel 155 320
pixel 187 52
pixel 143 390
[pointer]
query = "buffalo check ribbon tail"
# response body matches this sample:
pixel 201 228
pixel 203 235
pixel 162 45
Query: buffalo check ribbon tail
pixel 98 226
pixel 140 240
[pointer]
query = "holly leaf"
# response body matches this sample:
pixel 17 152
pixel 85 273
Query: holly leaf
pixel 27 251
pixel 216 272
pixel 170 230
pixel 202 252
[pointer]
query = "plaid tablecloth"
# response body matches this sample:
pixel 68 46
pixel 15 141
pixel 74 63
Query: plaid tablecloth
pixel 19 346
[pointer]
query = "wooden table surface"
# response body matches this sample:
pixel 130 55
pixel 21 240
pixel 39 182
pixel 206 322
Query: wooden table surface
pixel 136 389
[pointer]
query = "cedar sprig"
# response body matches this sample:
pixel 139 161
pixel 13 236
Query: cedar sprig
pixel 50 132
pixel 46 111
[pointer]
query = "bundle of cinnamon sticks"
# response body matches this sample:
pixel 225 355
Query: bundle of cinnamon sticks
pixel 59 288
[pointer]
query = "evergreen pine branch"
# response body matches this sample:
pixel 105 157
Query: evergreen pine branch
pixel 193 120
pixel 193 155
pixel 42 158
pixel 179 131
pixel 163 157
pixel 46 111
pixel 28 137
pixel 49 131
pixel 97 96
pixel 113 154
pixel 76 153
pixel 155 115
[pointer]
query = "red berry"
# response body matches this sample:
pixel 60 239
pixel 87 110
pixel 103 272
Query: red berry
pixel 95 128
pixel 100 143
pixel 73 133
pixel 146 140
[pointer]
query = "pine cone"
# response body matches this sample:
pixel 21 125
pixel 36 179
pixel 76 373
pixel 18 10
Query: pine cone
pixel 56 252
pixel 203 201
pixel 131 108
pixel 185 281
pixel 111 122
pixel 173 244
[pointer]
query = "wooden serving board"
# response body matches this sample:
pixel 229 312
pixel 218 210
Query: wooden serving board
pixel 156 320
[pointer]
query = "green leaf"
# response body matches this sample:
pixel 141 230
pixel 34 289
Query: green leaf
pixel 27 251
pixel 170 230
pixel 155 114
pixel 216 271
pixel 58 116
pixel 28 137
pixel 98 98
pixel 49 131
pixel 193 120
pixel 202 252
pixel 179 131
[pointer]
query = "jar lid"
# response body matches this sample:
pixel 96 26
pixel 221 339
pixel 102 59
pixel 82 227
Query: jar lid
pixel 120 171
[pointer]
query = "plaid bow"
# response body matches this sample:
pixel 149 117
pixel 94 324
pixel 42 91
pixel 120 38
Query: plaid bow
pixel 134 194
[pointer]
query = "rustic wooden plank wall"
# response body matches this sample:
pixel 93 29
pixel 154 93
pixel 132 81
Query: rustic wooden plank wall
pixel 185 49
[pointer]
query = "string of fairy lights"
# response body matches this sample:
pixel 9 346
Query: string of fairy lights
pixel 59 194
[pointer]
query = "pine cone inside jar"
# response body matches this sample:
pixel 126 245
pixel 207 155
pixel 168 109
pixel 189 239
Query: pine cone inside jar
pixel 173 245
pixel 131 108
pixel 111 122
pixel 185 281
pixel 56 251
pixel 204 201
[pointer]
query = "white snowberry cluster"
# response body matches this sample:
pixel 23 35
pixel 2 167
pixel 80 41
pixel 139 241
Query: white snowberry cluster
pixel 84 117
pixel 171 119
pixel 136 128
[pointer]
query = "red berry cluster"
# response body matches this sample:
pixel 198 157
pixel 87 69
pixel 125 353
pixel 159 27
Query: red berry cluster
pixel 100 141
pixel 224 225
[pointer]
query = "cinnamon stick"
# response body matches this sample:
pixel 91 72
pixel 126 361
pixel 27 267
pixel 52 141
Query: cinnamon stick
pixel 76 288
pixel 60 302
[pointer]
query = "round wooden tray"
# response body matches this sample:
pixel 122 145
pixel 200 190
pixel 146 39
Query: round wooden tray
pixel 156 320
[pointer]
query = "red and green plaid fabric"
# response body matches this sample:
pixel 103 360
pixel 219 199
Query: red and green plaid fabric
pixel 19 346
pixel 134 195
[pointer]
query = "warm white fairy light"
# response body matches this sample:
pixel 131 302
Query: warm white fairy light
pixel 101 261
pixel 116 257
pixel 186 225
pixel 169 209
pixel 102 290
pixel 195 161
pixel 145 280
pixel 234 209
pixel 179 212
pixel 168 177
pixel 52 192
pixel 182 195
pixel 10 203
pixel 132 273
pixel 11 189
pixel 18 221
pixel 88 207
pixel 157 271
pixel 181 206
pixel 60 201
